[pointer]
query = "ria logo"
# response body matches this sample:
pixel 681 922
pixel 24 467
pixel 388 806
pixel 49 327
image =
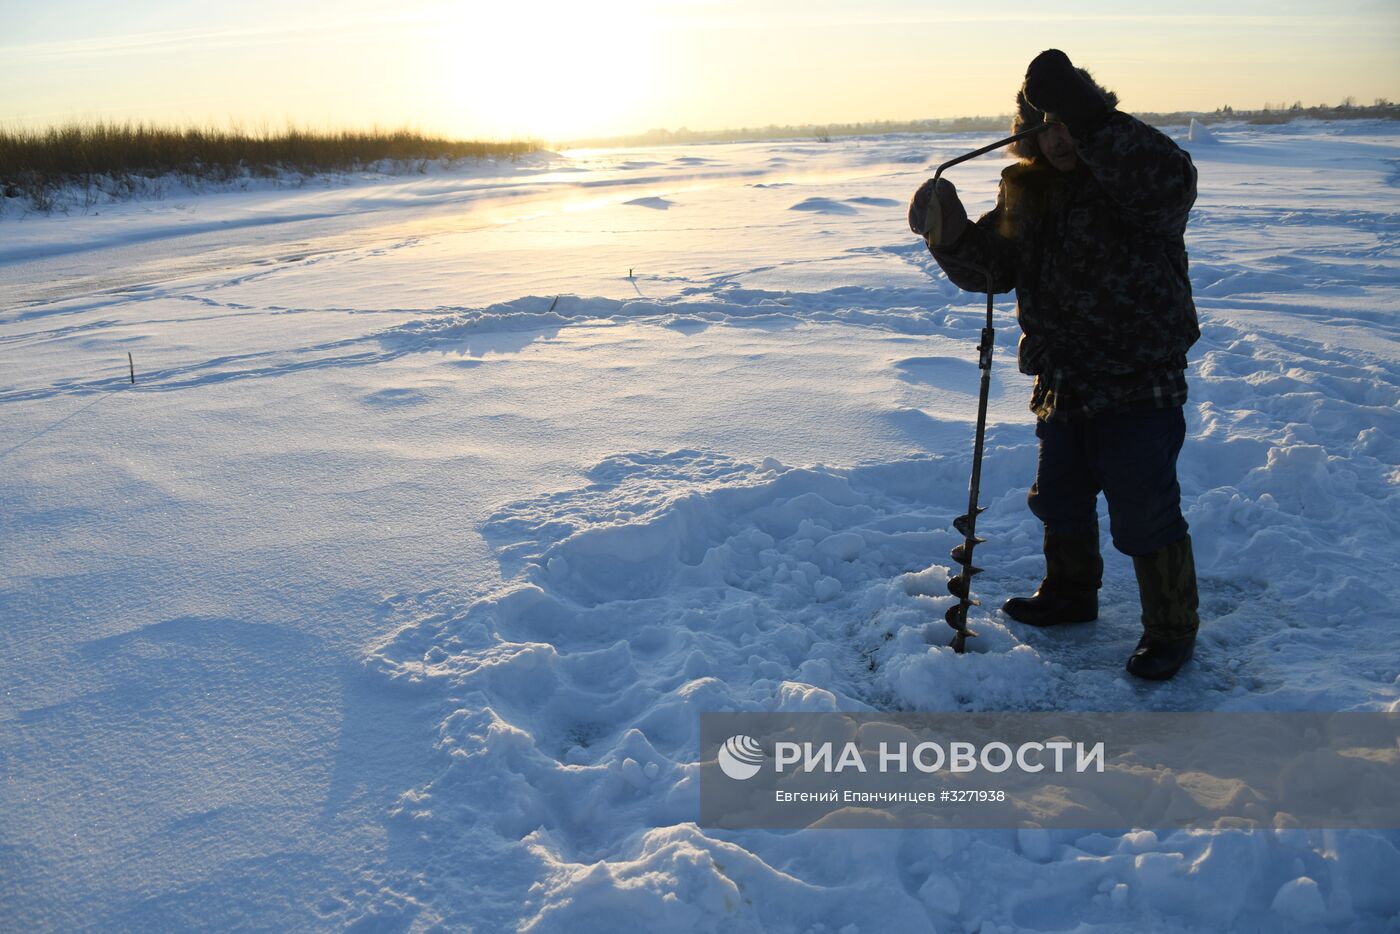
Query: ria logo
pixel 740 757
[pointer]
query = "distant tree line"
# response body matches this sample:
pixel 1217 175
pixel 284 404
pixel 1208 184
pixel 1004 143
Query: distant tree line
pixel 1348 109
pixel 823 132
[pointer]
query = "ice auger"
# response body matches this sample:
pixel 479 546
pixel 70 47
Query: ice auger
pixel 960 585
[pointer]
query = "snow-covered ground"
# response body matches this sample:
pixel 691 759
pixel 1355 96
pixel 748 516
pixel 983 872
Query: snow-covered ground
pixel 388 596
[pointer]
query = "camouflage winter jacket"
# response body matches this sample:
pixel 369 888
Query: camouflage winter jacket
pixel 1098 262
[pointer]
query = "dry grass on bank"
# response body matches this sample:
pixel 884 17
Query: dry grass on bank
pixel 110 160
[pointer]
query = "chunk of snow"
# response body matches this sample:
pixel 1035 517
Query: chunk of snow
pixel 1199 135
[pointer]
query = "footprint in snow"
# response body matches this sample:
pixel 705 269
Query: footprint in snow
pixel 948 373
pixel 394 397
pixel 830 206
pixel 823 206
pixel 656 204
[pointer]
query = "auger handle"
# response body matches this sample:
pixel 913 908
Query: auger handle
pixel 937 217
pixel 1038 128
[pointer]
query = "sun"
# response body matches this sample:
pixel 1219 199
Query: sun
pixel 547 70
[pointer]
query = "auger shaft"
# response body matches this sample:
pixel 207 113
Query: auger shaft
pixel 960 585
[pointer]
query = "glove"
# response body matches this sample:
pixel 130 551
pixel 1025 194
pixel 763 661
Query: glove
pixel 1056 87
pixel 936 213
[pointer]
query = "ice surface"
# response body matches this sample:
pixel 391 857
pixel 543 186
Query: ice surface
pixel 388 595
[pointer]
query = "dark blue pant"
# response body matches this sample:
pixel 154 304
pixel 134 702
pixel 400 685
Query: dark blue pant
pixel 1131 457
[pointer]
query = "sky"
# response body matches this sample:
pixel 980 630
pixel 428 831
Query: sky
pixel 553 70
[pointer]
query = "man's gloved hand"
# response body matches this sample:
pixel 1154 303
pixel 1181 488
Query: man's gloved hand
pixel 936 213
pixel 1056 87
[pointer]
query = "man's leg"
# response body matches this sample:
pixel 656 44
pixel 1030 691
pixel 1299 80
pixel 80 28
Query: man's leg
pixel 1135 459
pixel 1064 497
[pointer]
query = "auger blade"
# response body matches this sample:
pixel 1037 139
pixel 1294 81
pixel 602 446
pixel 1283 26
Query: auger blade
pixel 960 638
pixel 963 523
pixel 958 587
pixel 956 616
pixel 971 570
pixel 962 553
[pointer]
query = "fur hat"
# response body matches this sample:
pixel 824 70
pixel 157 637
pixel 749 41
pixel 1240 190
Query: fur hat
pixel 1027 117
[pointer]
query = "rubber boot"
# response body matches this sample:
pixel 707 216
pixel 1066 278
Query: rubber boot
pixel 1070 591
pixel 1167 584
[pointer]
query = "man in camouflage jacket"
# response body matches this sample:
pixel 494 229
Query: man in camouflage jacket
pixel 1088 229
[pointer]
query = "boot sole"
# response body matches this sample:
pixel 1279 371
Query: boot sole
pixel 1047 623
pixel 1163 675
pixel 1155 675
pixel 1052 623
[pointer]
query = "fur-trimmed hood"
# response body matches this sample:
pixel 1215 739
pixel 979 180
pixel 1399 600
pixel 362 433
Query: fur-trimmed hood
pixel 1027 116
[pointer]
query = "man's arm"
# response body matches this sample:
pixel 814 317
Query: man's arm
pixel 1150 179
pixel 979 250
